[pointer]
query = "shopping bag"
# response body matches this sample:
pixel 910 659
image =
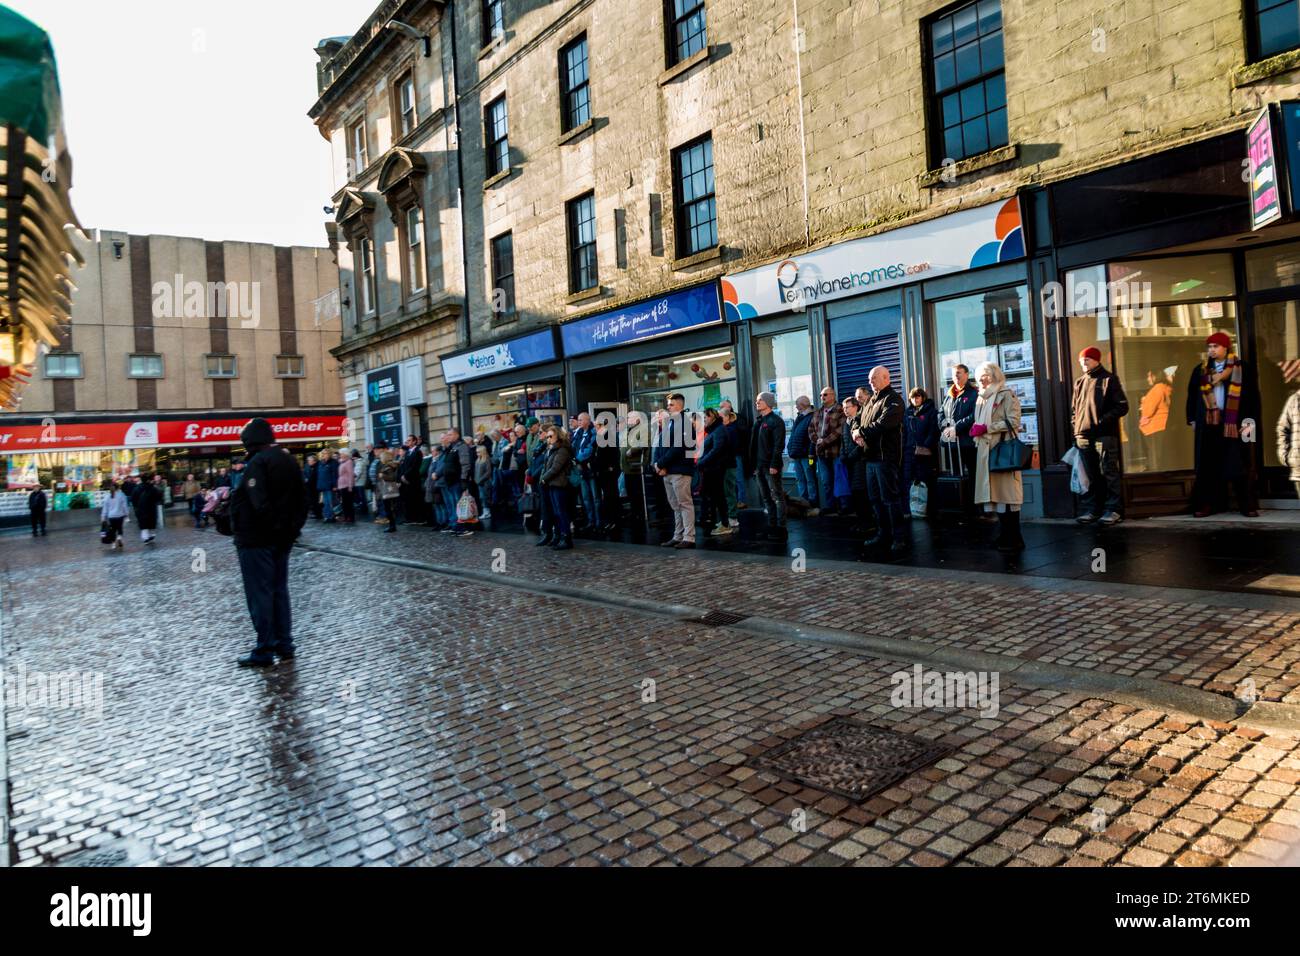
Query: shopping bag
pixel 1079 482
pixel 843 483
pixel 920 499
pixel 466 510
pixel 106 533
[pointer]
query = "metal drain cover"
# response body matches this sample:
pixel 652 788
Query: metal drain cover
pixel 117 853
pixel 849 758
pixel 721 619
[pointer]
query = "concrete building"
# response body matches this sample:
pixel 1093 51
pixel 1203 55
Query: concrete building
pixel 174 342
pixel 721 198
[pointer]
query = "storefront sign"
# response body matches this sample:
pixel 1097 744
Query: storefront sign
pixel 66 436
pixel 963 240
pixel 384 388
pixel 386 427
pixel 519 352
pixel 1265 198
pixel 689 309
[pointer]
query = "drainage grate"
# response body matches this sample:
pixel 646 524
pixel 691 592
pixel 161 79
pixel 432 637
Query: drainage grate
pixel 849 758
pixel 721 619
pixel 118 853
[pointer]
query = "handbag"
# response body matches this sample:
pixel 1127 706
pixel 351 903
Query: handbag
pixel 528 503
pixel 466 510
pixel 1010 454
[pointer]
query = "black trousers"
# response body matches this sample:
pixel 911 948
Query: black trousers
pixel 1101 458
pixel 1221 462
pixel 713 498
pixel 266 588
pixel 38 521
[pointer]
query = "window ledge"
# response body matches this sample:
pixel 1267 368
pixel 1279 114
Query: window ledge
pixel 492 47
pixel 499 177
pixel 500 319
pixel 1263 69
pixel 686 65
pixel 595 292
pixel 944 175
pixel 577 132
pixel 698 259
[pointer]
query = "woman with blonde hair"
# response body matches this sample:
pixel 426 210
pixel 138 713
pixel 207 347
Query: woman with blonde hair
pixel 555 481
pixel 997 419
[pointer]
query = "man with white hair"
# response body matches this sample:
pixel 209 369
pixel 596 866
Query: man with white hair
pixel 767 445
pixel 881 438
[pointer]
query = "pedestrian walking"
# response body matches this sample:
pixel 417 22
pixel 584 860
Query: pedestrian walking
pixel 827 428
pixel 146 501
pixel 1221 396
pixel 997 419
pixel 267 513
pixel 767 447
pixel 674 466
pixel 37 503
pixel 114 511
pixel 1097 406
pixel 881 431
pixel 555 479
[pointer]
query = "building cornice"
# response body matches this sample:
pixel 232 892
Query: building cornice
pixel 445 308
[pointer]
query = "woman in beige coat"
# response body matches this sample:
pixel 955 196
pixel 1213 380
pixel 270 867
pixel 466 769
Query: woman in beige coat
pixel 997 418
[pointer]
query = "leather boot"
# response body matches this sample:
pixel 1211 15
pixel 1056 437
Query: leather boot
pixel 547 539
pixel 564 543
pixel 1000 542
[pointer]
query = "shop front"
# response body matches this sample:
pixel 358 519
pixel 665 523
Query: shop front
pixel 918 301
pixel 1147 281
pixel 394 403
pixel 508 382
pixel 637 355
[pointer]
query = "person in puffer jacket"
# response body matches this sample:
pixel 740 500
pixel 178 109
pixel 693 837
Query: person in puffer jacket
pixel 1288 437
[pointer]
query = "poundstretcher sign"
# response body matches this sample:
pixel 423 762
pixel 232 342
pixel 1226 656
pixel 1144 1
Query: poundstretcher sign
pixel 70 436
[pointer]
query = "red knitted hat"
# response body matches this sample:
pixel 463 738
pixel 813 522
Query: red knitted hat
pixel 1219 338
pixel 1091 352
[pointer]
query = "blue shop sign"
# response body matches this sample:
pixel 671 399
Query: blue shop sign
pixel 521 352
pixel 689 309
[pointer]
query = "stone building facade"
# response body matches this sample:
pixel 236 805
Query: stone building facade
pixel 898 182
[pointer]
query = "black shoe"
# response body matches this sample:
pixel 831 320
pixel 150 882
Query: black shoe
pixel 251 661
pixel 546 539
pixel 874 542
pixel 391 529
pixel 898 547
pixel 285 655
pixel 670 543
pixel 564 544
pixel 684 545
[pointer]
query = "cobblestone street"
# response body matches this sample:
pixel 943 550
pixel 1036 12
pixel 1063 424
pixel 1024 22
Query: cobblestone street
pixel 480 701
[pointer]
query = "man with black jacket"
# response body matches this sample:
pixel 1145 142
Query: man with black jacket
pixel 456 468
pixel 956 416
pixel 267 511
pixel 412 490
pixel 767 447
pixel 37 503
pixel 1096 408
pixel 880 436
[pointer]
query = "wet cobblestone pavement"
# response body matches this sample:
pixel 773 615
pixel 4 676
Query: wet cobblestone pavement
pixel 436 720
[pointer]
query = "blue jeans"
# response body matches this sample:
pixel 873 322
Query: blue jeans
pixel 740 480
pixel 805 480
pixel 327 496
pixel 450 496
pixel 826 479
pixel 266 588
pixel 559 499
pixel 590 501
pixel 883 490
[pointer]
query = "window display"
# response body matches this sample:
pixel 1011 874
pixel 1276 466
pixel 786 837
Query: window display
pixel 500 409
pixel 704 378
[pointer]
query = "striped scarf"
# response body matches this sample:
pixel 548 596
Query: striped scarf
pixel 1209 378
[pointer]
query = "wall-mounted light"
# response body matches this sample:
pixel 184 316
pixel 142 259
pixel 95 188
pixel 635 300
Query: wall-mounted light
pixel 406 30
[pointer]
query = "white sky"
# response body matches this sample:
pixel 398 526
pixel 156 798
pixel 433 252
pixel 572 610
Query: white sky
pixel 181 132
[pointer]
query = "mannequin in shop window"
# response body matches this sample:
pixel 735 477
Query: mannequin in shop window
pixel 1222 398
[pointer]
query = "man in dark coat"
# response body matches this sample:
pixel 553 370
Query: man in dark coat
pixel 267 512
pixel 145 501
pixel 738 478
pixel 1222 396
pixel 1098 404
pixel 880 431
pixel 957 415
pixel 309 487
pixel 767 449
pixel 37 504
pixel 408 476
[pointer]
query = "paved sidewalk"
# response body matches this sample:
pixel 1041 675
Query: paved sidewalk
pixel 434 720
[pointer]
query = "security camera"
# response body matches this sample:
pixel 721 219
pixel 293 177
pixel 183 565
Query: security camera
pixel 406 30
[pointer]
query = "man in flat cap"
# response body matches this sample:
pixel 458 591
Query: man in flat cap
pixel 267 512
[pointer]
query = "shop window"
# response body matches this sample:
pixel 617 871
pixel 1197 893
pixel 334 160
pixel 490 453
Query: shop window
pixel 503 276
pixel 494 20
pixel 1273 267
pixel 289 366
pixel 1175 279
pixel 144 365
pixel 1277 360
pixel 500 409
pixel 63 365
pixel 575 88
pixel 696 213
pixel 704 378
pixel 581 218
pixel 497 136
pixel 415 249
pixel 968 111
pixel 1273 27
pixel 783 364
pixel 687 29
pixel 219 366
pixel 991 326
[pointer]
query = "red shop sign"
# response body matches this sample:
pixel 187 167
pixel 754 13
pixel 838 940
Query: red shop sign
pixel 64 436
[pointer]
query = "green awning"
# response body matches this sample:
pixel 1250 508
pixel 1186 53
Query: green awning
pixel 29 82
